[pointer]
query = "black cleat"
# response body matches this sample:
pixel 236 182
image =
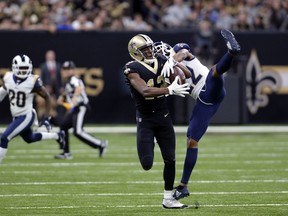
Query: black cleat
pixel 231 43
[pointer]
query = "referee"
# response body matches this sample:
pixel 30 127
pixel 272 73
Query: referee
pixel 76 102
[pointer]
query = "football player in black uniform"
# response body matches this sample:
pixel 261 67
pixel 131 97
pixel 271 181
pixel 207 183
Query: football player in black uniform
pixel 149 91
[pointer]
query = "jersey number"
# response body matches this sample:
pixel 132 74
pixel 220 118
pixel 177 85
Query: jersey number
pixel 150 83
pixel 17 98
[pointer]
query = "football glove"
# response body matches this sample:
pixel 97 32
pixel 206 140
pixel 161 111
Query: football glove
pixel 67 106
pixel 179 90
pixel 46 123
pixel 168 67
pixel 180 46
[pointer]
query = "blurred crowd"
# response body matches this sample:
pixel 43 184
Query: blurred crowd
pixel 143 15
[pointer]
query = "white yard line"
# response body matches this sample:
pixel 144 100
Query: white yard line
pixel 119 164
pixel 145 194
pixel 183 129
pixel 141 182
pixel 146 206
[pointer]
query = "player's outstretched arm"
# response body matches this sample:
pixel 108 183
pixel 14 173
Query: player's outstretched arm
pixel 141 86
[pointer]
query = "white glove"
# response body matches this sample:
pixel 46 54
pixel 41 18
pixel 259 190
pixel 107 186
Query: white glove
pixel 179 90
pixel 168 67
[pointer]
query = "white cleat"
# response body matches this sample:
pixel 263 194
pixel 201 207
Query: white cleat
pixel 172 203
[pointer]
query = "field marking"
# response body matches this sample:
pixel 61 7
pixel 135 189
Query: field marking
pixel 150 171
pixel 183 129
pixel 141 182
pixel 146 206
pixel 144 194
pixel 49 155
pixel 69 163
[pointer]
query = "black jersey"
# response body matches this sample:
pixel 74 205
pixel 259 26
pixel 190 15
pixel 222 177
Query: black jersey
pixel 151 74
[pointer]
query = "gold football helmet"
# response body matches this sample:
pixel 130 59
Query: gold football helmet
pixel 136 44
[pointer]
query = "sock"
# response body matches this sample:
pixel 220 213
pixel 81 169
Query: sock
pixel 190 161
pixel 224 64
pixel 3 152
pixel 167 194
pixel 46 135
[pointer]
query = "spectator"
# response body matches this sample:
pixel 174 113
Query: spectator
pixel 137 24
pixel 177 15
pixel 205 43
pixel 278 15
pixel 65 25
pixel 225 20
pixel 8 24
pixel 52 80
pixel 82 23
pixel 151 14
pixel 257 23
pixel 117 25
pixel 241 23
pixel 102 20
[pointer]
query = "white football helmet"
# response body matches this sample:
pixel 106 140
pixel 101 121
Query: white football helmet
pixel 22 66
pixel 163 48
pixel 136 44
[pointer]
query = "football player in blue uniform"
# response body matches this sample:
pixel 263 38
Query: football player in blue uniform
pixel 206 87
pixel 149 91
pixel 76 101
pixel 20 85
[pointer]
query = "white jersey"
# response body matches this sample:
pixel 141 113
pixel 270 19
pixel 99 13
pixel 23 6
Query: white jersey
pixel 20 93
pixel 199 74
pixel 73 83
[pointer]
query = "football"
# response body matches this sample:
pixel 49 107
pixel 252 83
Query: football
pixel 177 72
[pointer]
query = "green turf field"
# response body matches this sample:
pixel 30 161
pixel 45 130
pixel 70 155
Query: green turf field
pixel 236 174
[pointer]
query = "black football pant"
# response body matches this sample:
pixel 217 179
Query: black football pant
pixel 157 125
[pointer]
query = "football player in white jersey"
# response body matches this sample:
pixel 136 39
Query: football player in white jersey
pixel 207 88
pixel 75 100
pixel 20 85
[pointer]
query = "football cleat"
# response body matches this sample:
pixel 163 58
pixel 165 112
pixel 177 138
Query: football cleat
pixel 102 148
pixel 66 156
pixel 61 139
pixel 231 43
pixel 173 204
pixel 181 193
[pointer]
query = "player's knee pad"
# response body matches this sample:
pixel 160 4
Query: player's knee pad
pixel 147 162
